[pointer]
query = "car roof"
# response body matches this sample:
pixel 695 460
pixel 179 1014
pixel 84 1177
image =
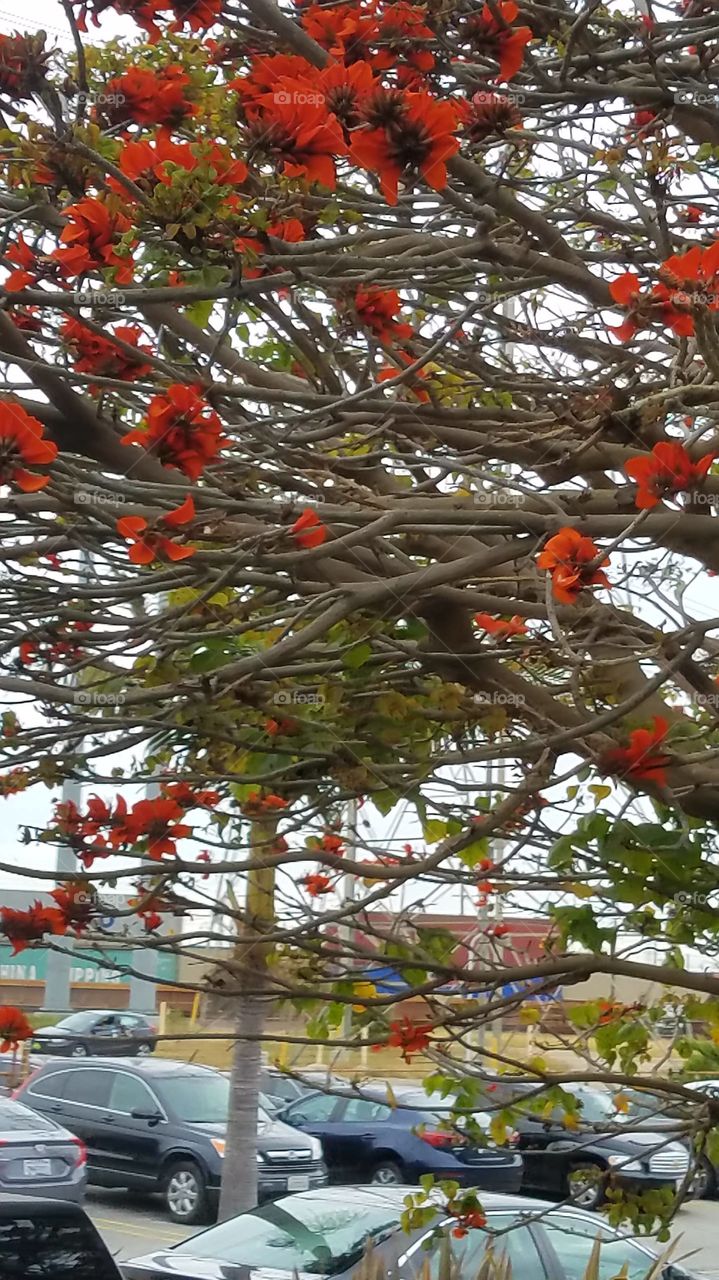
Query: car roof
pixel 395 1198
pixel 15 1204
pixel 144 1066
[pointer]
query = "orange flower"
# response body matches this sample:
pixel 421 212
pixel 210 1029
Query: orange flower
pixel 149 544
pixel 343 30
pixel 294 128
pixel 333 844
pixel 308 530
pixel 641 759
pixel 317 884
pixel 14 1027
pixel 410 1037
pixel 256 804
pixel 148 97
pixel 198 15
pixel 23 65
pixel 90 238
pixel 23 927
pixel 403 35
pixel 154 824
pixel 377 309
pixel 571 561
pixel 98 355
pixel 182 429
pixel 501 627
pixel 77 902
pixel 144 13
pixel 496 38
pixel 21 442
pixel 264 75
pixel 419 138
pixel 667 470
pixel 488 114
pixel 27 267
pixel 345 89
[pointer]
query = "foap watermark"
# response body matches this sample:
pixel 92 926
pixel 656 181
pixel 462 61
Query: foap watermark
pixel 499 699
pixel 696 98
pixel 299 698
pixel 299 98
pixel 99 99
pixel 691 899
pixel 710 700
pixel 494 498
pixel 84 698
pixel 98 298
pixel 96 498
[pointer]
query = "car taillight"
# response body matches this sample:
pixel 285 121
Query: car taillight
pixel 440 1138
pixel 81 1157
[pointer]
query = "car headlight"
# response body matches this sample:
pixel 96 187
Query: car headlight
pixel 316 1148
pixel 634 1166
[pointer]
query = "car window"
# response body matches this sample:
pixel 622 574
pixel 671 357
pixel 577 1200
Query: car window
pixel 88 1086
pixel 573 1238
pixel 319 1106
pixel 330 1237
pixel 51 1085
pixel 130 1020
pixel 281 1087
pixel 505 1241
pixel 77 1021
pixel 15 1118
pixel 364 1111
pixel 52 1248
pixel 197 1099
pixel 130 1094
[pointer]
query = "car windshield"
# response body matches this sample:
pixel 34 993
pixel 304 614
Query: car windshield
pixel 197 1099
pixel 319 1237
pixel 78 1021
pixel 14 1118
pixel 595 1105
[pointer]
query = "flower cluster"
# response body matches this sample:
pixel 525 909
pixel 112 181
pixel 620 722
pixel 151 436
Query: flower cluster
pixel 182 429
pixel 149 541
pixel 22 446
pixel 151 827
pixel 574 562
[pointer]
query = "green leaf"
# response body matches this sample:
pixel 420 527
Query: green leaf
pixel 357 657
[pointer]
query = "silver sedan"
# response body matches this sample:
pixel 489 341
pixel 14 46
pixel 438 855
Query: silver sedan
pixel 38 1157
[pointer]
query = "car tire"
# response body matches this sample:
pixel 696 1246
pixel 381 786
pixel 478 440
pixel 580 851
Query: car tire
pixel 79 1051
pixel 143 1049
pixel 704 1182
pixel 387 1174
pixel 585 1185
pixel 184 1190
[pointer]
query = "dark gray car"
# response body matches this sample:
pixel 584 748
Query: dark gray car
pixel 38 1157
pixel 325 1233
pixel 93 1031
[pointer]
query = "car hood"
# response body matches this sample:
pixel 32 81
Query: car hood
pixel 273 1135
pixel 631 1143
pixel 44 1033
pixel 152 1266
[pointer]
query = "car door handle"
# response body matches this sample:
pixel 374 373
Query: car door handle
pixel 55 1107
pixel 108 1119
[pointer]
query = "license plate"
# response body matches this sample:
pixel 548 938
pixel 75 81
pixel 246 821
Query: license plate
pixel 37 1168
pixel 299 1182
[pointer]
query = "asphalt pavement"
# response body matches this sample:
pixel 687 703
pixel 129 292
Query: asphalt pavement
pixel 132 1225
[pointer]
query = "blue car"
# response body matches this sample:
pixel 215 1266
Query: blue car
pixel 366 1140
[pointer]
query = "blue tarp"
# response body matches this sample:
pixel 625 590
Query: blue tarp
pixel 389 982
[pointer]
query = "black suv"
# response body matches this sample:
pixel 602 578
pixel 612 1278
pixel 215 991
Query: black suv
pixel 50 1238
pixel 159 1126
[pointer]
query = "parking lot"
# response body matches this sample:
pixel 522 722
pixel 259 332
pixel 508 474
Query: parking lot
pixel 132 1226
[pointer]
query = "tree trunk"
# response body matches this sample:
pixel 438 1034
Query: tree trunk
pixel 239 1174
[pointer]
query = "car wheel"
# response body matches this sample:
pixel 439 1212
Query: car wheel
pixel 387 1174
pixel 143 1049
pixel 703 1184
pixel 78 1051
pixel 185 1193
pixel 585 1185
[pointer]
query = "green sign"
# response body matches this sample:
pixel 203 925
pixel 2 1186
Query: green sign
pixel 88 965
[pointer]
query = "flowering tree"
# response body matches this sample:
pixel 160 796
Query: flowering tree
pixel 360 379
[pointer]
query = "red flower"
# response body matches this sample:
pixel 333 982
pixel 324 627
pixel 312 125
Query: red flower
pixel 22 445
pixel 691 213
pixel 490 113
pixel 317 884
pixel 148 97
pixel 144 12
pixel 626 290
pixel 149 544
pixel 308 530
pixel 404 34
pixel 419 139
pixel 23 927
pixel 90 239
pixel 571 561
pixel 265 74
pixel 151 920
pixel 154 824
pixel 410 1037
pixel 496 38
pixel 23 65
pixel 182 429
pixel 183 794
pixel 667 470
pixel 295 129
pixel 77 903
pixel 345 89
pixel 377 309
pixel 14 1027
pixel 641 759
pixel 256 805
pixel 198 15
pixel 343 30
pixel 27 268
pixel 501 627
pixel 333 844
pixel 98 355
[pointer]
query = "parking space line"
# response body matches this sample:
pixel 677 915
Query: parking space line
pixel 130 1228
